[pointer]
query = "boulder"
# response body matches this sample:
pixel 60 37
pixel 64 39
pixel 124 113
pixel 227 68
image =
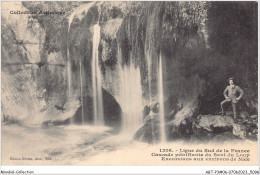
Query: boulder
pixel 208 122
pixel 156 108
pixel 212 127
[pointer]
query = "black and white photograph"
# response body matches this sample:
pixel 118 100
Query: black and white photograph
pixel 129 83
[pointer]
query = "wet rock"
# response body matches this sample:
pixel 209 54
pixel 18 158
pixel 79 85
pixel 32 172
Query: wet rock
pixel 225 136
pixel 152 117
pixel 112 111
pixel 185 129
pixel 254 116
pixel 156 108
pixel 244 115
pixel 209 122
pixel 239 130
pixel 9 120
pixel 55 123
pixel 148 133
pixel 220 130
pixel 246 127
pixel 55 153
pixel 201 134
pixel 251 130
pixel 171 107
pixel 172 131
pixel 212 127
pixel 254 119
pixel 146 111
pixel 204 128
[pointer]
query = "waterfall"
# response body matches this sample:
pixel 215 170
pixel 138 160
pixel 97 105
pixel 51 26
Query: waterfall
pixel 149 68
pixel 130 95
pixel 161 100
pixel 69 83
pixel 79 12
pixel 81 91
pixel 71 17
pixel 96 79
pixel 69 78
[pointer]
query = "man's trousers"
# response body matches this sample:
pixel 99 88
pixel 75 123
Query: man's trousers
pixel 233 106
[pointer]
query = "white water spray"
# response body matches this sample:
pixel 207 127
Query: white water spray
pixel 149 68
pixel 96 79
pixel 79 14
pixel 81 92
pixel 161 101
pixel 69 77
pixel 130 96
pixel 69 84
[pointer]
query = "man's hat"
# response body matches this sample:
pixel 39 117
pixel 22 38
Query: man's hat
pixel 231 78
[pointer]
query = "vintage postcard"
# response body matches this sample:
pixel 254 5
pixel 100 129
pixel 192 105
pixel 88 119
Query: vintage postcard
pixel 129 83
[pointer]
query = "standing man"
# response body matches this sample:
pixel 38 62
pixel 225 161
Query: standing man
pixel 231 93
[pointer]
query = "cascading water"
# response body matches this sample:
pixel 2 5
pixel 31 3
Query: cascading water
pixel 81 91
pixel 96 79
pixel 69 78
pixel 71 19
pixel 149 68
pixel 68 61
pixel 130 96
pixel 69 85
pixel 161 100
pixel 78 13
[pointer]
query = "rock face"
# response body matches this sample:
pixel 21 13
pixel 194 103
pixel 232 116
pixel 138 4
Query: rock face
pixel 33 80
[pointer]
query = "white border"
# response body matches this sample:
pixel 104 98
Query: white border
pixel 129 169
